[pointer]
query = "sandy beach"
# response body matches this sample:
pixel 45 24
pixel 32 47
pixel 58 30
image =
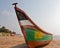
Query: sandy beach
pixel 18 42
pixel 10 41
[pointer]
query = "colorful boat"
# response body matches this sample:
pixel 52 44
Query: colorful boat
pixel 34 36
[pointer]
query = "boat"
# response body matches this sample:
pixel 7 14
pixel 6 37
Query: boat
pixel 34 36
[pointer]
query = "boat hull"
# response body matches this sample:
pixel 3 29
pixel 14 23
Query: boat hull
pixel 33 34
pixel 35 44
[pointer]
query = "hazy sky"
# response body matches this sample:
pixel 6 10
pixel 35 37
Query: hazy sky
pixel 45 13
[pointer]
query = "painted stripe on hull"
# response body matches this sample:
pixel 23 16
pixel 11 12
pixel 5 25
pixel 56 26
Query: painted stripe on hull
pixel 25 22
pixel 31 35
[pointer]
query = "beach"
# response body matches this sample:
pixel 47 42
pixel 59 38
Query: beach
pixel 19 42
pixel 53 44
pixel 10 41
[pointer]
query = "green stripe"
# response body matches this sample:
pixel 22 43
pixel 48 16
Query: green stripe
pixel 30 35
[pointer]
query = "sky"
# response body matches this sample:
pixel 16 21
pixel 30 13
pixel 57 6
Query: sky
pixel 45 13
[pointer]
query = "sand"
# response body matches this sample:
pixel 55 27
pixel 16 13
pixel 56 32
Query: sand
pixel 10 41
pixel 53 44
pixel 19 42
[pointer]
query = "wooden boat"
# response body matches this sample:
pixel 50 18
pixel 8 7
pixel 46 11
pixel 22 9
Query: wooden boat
pixel 34 36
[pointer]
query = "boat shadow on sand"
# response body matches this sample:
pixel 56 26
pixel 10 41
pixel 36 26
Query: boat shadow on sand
pixel 21 46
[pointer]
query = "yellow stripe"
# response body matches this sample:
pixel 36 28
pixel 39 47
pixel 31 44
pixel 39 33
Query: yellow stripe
pixel 38 34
